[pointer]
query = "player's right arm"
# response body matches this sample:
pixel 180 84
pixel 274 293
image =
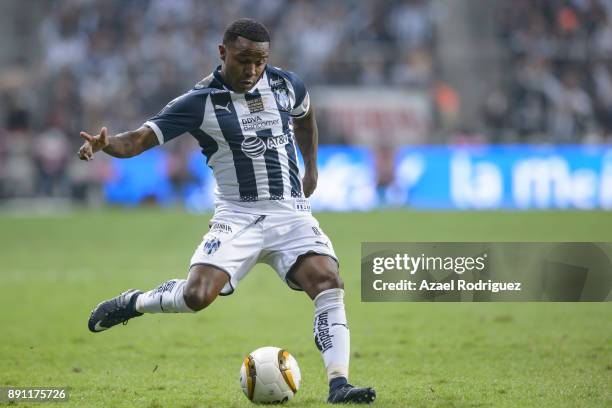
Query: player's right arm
pixel 123 145
pixel 181 115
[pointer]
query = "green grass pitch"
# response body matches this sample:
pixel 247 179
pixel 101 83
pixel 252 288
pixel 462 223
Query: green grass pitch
pixel 53 270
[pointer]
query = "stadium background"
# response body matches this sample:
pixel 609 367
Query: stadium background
pixel 391 77
pixel 430 106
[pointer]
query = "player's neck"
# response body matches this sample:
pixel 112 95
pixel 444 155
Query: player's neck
pixel 223 78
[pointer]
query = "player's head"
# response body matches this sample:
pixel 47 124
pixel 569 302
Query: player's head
pixel 244 53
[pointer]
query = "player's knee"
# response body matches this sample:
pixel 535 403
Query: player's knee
pixel 316 274
pixel 327 279
pixel 198 297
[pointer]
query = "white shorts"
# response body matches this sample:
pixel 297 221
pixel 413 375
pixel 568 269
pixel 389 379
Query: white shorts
pixel 237 241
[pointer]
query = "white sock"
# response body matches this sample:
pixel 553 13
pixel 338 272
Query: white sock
pixel 166 298
pixel 331 332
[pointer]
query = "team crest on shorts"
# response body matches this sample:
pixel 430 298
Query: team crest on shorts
pixel 211 245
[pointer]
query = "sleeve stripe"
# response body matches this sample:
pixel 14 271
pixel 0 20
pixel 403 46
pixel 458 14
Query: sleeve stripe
pixel 302 115
pixel 157 130
pixel 302 109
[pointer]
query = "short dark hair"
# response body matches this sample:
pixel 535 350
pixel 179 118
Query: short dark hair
pixel 247 28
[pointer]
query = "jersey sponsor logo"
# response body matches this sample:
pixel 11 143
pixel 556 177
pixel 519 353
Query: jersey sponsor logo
pixel 211 245
pixel 255 123
pixel 255 105
pixel 254 146
pixel 282 98
pixel 226 107
pixel 274 142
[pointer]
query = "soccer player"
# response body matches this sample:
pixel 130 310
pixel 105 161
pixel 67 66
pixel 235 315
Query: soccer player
pixel 246 116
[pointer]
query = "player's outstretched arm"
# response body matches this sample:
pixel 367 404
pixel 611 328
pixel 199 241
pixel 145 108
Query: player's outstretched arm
pixel 307 136
pixel 123 145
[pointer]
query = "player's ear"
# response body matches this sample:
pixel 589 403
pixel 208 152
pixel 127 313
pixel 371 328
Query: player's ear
pixel 222 51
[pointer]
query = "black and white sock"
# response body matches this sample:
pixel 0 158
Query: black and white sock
pixel 331 333
pixel 166 298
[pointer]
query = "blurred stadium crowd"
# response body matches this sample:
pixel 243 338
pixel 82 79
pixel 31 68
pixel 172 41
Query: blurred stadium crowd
pixel 116 63
pixel 558 86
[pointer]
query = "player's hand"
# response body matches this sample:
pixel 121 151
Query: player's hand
pixel 309 182
pixel 92 144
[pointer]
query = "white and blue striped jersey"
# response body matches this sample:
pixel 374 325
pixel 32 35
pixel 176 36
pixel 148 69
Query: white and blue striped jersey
pixel 247 138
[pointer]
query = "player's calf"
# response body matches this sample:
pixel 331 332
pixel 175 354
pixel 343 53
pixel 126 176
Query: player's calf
pixel 204 284
pixel 199 297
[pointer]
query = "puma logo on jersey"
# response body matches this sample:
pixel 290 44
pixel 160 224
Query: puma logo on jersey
pixel 226 107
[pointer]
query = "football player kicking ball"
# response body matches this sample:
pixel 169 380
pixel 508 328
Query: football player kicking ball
pixel 246 116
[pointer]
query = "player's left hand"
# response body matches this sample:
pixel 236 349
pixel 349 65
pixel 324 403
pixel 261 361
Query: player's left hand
pixel 309 182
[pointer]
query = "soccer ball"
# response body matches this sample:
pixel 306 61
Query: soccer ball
pixel 270 375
